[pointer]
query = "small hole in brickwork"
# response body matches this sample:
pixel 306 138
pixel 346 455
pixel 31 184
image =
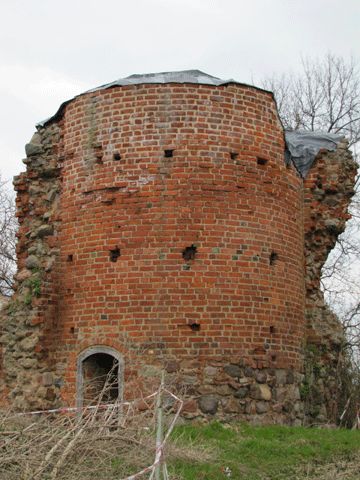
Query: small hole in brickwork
pixel 261 161
pixel 70 258
pixel 195 327
pixel 189 252
pixel 273 358
pixel 273 258
pixel 117 156
pixel 114 254
pixel 72 330
pixel 168 153
pixel 272 329
pixel 233 155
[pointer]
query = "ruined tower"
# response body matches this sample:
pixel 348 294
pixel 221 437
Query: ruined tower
pixel 162 225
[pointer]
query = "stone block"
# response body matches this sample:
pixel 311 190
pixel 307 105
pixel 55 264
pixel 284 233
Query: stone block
pixel 50 395
pixel 260 392
pixel 190 406
pixel 172 366
pixel 47 379
pixel 190 380
pixel 250 407
pixel 232 405
pixel 290 378
pixel 262 407
pixel 261 376
pixel 242 392
pixel 248 372
pixel 281 376
pixel 28 363
pixel 32 262
pixel 288 406
pixel 45 231
pixel 28 343
pixel 208 404
pixel 210 371
pixel 32 149
pixel 233 370
pixel 23 275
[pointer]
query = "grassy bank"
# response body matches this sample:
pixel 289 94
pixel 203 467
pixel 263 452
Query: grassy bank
pixel 271 453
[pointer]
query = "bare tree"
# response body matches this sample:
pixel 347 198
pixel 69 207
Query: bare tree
pixel 325 96
pixel 8 228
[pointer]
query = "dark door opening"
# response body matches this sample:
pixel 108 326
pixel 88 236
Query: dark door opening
pixel 100 373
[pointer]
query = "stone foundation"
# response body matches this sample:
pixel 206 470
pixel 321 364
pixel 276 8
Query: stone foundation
pixel 235 391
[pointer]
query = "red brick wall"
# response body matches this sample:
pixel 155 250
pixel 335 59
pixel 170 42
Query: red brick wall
pixel 212 193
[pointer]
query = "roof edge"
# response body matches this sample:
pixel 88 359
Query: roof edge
pixel 196 77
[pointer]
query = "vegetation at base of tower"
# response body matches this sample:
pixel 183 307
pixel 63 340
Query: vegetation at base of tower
pixel 330 373
pixel 304 390
pixel 86 449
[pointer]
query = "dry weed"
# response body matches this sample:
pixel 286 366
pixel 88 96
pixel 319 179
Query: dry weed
pixel 108 441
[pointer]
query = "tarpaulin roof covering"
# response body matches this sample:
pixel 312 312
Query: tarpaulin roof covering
pixel 303 146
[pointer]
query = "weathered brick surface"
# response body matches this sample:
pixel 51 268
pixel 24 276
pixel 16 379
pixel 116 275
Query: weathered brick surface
pixel 113 214
pixel 233 210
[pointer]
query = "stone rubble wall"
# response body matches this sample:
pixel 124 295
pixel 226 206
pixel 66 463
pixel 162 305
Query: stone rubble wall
pixel 236 391
pixel 327 194
pixel 28 317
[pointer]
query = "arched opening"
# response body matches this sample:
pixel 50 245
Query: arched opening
pixel 99 376
pixel 100 372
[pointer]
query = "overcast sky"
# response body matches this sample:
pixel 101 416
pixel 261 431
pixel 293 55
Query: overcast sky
pixel 52 50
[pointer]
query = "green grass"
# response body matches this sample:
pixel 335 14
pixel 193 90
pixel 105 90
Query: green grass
pixel 259 453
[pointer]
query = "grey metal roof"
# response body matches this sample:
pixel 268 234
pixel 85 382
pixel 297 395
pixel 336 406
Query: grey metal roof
pixel 303 146
pixel 184 76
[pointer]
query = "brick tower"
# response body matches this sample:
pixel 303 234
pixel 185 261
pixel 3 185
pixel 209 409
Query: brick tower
pixel 161 226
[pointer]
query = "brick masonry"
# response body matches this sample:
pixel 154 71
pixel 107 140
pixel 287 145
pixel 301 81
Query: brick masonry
pixel 161 221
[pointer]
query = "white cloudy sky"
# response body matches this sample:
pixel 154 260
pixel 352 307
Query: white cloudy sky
pixel 52 50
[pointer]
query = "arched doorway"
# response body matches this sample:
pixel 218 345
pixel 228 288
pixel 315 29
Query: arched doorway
pixel 99 376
